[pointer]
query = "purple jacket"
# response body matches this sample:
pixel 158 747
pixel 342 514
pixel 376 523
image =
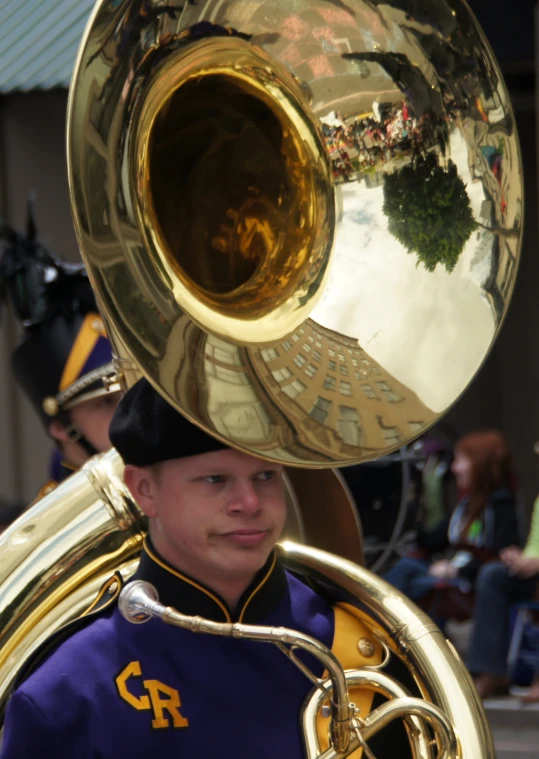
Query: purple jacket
pixel 116 689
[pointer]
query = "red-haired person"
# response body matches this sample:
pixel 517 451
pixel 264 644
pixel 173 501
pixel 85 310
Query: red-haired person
pixel 483 523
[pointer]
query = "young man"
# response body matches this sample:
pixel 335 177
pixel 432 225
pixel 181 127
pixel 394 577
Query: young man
pixel 64 354
pixel 116 689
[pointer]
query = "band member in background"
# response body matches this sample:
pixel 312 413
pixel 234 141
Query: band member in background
pixel 64 354
pixel 113 689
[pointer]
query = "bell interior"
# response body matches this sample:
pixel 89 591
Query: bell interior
pixel 231 188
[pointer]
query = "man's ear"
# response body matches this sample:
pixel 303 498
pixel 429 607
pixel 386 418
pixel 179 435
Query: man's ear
pixel 141 483
pixel 58 432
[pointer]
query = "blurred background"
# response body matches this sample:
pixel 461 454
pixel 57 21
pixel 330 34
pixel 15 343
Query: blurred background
pixel 38 44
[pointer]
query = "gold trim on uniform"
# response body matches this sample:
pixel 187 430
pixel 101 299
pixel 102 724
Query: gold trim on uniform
pixel 188 580
pixel 260 584
pixel 108 586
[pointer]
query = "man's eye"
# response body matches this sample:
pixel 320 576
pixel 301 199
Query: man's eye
pixel 109 401
pixel 266 476
pixel 214 479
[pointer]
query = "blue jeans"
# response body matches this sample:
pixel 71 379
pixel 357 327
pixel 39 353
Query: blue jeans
pixel 496 591
pixel 411 577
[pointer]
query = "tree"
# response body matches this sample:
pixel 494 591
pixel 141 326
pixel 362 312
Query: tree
pixel 429 211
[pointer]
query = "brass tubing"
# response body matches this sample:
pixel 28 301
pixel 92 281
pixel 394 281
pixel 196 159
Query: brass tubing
pixel 391 689
pixel 412 636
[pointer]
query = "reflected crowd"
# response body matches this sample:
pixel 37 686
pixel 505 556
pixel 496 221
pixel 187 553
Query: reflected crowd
pixel 366 146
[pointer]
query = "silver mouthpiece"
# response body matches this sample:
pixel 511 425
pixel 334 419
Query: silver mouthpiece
pixel 139 602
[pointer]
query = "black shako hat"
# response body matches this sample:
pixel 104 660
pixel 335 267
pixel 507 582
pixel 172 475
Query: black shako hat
pixel 64 353
pixel 146 430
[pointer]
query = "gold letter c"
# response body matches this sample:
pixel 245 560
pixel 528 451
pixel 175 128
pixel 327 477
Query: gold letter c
pixel 132 670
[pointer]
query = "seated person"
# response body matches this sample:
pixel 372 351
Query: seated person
pixel 499 585
pixel 482 524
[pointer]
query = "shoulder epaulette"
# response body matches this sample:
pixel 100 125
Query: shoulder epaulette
pixel 105 599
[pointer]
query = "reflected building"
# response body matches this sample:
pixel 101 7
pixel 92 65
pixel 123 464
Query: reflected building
pixel 314 395
pixel 326 393
pixel 493 164
pixel 374 179
pixel 337 394
pixel 234 407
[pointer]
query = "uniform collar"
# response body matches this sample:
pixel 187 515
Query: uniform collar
pixel 190 597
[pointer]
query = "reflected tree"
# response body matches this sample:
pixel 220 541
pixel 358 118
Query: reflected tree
pixel 429 211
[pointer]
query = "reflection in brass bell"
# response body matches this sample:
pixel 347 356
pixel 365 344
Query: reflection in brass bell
pixel 312 217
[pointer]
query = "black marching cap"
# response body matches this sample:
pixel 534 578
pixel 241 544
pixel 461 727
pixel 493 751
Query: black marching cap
pixel 146 430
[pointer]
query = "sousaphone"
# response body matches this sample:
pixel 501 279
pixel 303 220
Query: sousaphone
pixel 302 223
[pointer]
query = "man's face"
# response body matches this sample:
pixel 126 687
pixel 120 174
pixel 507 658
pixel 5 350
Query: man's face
pixel 217 515
pixel 93 417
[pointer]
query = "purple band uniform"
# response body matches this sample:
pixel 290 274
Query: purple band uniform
pixel 115 689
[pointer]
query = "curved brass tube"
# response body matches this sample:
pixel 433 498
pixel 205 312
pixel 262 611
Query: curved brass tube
pixel 57 554
pixel 407 631
pixel 380 717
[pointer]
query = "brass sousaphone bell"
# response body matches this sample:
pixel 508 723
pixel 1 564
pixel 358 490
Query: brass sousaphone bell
pixel 302 223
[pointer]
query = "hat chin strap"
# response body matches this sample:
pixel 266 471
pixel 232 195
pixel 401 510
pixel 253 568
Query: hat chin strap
pixel 81 440
pixel 76 436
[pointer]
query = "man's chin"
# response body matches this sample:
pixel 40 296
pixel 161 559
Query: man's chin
pixel 248 559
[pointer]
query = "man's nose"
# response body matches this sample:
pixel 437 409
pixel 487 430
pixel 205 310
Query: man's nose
pixel 244 497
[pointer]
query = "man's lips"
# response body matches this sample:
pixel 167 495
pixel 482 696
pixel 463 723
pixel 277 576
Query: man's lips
pixel 246 537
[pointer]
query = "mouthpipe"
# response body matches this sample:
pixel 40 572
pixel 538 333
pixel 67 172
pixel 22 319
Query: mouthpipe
pixel 139 602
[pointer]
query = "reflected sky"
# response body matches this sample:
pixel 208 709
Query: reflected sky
pixel 410 321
